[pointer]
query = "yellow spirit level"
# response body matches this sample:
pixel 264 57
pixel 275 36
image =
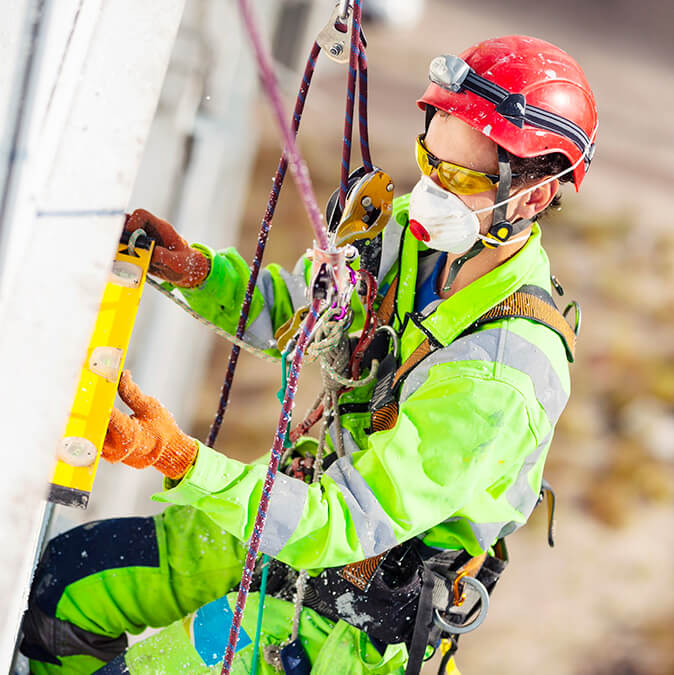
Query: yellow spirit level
pixel 79 450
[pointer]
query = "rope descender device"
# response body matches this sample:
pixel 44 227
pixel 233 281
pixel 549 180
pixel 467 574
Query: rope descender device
pixel 368 207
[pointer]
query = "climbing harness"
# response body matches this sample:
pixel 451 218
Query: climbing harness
pixel 528 302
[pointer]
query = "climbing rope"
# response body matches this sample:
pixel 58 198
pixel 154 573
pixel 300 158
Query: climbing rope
pixel 332 341
pixel 297 166
pixel 319 296
pixel 357 66
pixel 261 244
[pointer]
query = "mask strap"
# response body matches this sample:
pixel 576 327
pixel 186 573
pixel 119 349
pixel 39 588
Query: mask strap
pixel 499 223
pixel 490 242
pixel 533 187
pixel 456 266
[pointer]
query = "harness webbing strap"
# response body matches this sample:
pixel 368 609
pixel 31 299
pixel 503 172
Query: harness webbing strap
pixel 528 302
pixel 523 304
pixel 422 624
pixel 385 311
pixel 421 352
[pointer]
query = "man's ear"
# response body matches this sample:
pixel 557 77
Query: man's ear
pixel 530 204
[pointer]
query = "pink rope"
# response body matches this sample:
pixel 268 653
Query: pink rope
pixel 297 166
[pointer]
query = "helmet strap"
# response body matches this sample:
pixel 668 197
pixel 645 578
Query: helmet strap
pixel 501 228
pixel 430 111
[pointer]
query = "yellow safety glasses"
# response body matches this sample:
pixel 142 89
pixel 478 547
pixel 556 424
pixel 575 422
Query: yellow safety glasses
pixel 455 178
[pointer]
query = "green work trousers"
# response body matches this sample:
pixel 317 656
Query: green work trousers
pixel 177 571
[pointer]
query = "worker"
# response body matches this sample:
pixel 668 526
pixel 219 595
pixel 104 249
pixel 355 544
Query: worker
pixel 454 468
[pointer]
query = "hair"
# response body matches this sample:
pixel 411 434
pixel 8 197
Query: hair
pixel 531 169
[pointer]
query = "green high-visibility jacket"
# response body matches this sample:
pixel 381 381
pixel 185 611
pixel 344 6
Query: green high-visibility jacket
pixel 463 464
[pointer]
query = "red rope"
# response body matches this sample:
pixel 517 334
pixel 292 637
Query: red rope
pixel 350 102
pixel 259 251
pixel 276 452
pixel 293 159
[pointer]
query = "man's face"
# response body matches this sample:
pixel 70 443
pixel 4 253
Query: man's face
pixel 451 139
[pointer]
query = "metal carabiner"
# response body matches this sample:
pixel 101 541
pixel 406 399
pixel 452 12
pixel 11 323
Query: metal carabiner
pixel 458 629
pixel 394 337
pixel 343 10
pixel 333 38
pixel 576 306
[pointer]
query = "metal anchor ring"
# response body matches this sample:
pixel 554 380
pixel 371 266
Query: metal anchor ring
pixel 458 629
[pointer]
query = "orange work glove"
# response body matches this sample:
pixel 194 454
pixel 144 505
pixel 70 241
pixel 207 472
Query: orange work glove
pixel 150 437
pixel 172 259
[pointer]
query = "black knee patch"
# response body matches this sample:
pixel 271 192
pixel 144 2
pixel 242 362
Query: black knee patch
pixel 45 638
pixel 91 548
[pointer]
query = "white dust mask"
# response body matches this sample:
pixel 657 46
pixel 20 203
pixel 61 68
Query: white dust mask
pixel 440 219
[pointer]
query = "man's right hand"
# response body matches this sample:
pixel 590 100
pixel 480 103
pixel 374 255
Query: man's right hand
pixel 173 259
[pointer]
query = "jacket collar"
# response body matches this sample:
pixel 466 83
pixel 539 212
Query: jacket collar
pixel 455 314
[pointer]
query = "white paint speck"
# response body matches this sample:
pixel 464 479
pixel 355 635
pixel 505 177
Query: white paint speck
pixel 486 130
pixel 550 73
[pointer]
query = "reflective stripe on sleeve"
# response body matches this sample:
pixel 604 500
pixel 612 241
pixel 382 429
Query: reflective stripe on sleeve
pixel 389 248
pixel 520 495
pixel 297 288
pixel 501 346
pixel 286 505
pixel 260 333
pixel 373 526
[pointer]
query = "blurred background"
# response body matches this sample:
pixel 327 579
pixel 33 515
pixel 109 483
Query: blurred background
pixel 601 601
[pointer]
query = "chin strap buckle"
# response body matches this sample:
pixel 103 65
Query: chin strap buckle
pixel 501 231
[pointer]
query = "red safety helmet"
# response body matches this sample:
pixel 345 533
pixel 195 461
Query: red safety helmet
pixel 527 95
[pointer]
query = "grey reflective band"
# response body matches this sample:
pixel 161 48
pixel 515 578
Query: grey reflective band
pixel 520 495
pixel 259 332
pixel 454 74
pixel 287 501
pixel 297 288
pixel 373 526
pixel 502 346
